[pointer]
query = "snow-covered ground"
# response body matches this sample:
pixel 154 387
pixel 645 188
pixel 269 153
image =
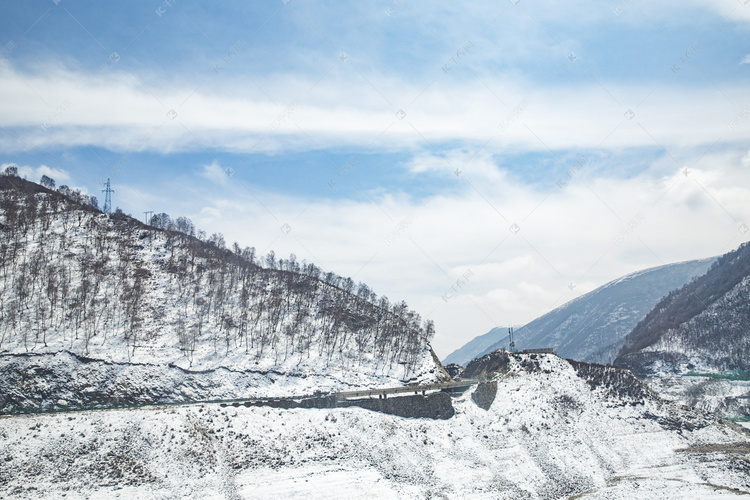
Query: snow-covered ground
pixel 547 435
pixel 722 397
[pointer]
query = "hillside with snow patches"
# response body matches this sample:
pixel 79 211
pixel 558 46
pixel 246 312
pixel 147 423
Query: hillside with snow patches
pixel 703 326
pixel 553 430
pixel 591 327
pixel 97 307
pixel 693 347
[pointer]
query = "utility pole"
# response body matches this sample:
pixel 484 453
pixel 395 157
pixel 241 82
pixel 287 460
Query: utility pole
pixel 108 198
pixel 511 344
pixel 148 216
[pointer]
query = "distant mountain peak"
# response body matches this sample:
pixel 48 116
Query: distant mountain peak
pixel 592 327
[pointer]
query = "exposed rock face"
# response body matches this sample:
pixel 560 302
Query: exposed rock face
pixel 617 382
pixel 455 371
pixel 65 381
pixel 40 383
pixel 44 382
pixel 489 363
pixel 436 406
pixel 484 394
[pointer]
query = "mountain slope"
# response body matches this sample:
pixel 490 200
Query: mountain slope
pixel 476 347
pixel 122 296
pixel 703 325
pixel 554 430
pixel 592 327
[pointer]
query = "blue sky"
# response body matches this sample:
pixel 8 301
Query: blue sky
pixel 485 162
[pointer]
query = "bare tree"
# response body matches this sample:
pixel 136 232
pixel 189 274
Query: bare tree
pixel 47 182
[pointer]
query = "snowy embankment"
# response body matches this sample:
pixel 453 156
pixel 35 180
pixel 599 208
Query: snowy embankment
pixel 548 434
pixel 59 381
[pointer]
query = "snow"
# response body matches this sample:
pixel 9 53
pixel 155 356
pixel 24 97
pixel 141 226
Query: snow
pixel 316 483
pixel 547 435
pixel 178 278
pixel 727 398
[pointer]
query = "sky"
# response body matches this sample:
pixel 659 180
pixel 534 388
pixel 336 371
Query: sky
pixel 484 162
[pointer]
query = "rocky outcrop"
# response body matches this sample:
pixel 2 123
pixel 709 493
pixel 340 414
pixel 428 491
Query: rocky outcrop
pixel 616 382
pixel 484 394
pixel 493 362
pixel 436 406
pixel 455 371
pixel 35 383
pixel 39 383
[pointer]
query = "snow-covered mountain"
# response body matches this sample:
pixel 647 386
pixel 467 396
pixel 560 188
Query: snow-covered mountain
pixel 593 326
pixel 476 347
pixel 702 326
pixel 552 430
pixel 96 307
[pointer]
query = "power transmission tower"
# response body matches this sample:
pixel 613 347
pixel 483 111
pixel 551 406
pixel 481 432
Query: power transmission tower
pixel 147 214
pixel 511 343
pixel 107 198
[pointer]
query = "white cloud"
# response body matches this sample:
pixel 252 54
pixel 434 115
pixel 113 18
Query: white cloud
pixel 216 174
pixel 730 9
pixel 347 111
pixel 571 239
pixel 35 173
pixel 455 163
pixel 745 60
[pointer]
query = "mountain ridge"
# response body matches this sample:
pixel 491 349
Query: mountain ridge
pixel 592 326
